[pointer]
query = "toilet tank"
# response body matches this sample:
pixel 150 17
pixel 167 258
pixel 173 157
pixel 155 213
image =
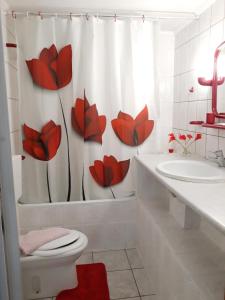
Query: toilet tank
pixel 17 176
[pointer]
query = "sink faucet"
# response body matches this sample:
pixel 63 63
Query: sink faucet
pixel 218 158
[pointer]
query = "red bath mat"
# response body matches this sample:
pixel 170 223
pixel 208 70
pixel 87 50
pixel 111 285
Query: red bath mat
pixel 92 284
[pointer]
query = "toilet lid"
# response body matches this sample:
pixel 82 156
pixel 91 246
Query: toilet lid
pixel 73 245
pixel 62 241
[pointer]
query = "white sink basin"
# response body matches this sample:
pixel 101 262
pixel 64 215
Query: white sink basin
pixel 192 170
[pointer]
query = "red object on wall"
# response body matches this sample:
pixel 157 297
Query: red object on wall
pixel 92 284
pixel 11 45
pixel 214 82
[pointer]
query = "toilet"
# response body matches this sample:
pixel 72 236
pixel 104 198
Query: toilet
pixel 51 268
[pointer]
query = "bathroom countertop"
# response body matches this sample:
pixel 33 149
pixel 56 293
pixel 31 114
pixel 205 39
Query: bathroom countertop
pixel 207 199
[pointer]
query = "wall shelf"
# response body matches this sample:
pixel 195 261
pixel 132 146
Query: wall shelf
pixel 215 125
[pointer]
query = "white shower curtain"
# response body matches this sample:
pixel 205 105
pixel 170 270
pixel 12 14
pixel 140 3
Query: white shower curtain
pixel 88 104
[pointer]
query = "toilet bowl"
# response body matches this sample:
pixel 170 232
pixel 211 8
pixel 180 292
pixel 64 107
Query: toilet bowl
pixel 51 268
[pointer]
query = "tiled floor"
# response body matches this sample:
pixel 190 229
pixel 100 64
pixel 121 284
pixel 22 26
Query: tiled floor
pixel 126 275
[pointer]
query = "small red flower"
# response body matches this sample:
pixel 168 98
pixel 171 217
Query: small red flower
pixel 182 137
pixel 189 136
pixel 86 121
pixel 52 70
pixel 42 145
pixel 171 150
pixel 109 171
pixel 133 132
pixel 171 137
pixel 198 136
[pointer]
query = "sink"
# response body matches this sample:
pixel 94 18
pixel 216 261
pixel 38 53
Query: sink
pixel 192 170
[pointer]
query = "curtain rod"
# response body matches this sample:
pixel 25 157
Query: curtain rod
pixel 155 15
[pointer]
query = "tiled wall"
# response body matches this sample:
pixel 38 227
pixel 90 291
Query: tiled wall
pixel 12 83
pixel 108 224
pixel 194 48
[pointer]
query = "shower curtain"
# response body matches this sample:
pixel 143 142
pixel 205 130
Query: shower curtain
pixel 88 104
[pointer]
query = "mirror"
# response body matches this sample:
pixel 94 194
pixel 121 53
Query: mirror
pixel 217 82
pixel 219 69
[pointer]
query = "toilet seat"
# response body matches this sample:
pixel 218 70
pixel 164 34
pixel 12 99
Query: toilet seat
pixel 70 242
pixel 62 241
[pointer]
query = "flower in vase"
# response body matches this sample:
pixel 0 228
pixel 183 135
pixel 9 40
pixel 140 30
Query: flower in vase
pixel 53 69
pixel 130 131
pixel 182 137
pixel 171 137
pixel 189 136
pixel 198 136
pixel 110 171
pixel 184 140
pixel 86 120
pixel 42 145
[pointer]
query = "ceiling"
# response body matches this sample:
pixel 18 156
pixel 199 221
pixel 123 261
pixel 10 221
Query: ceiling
pixel 186 6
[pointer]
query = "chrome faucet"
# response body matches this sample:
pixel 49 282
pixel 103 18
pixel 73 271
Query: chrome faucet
pixel 218 158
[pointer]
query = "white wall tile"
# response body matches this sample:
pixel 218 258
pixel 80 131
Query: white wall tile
pixel 201 146
pixel 15 142
pixel 217 11
pixel 11 81
pixel 183 115
pixel 216 37
pixel 200 40
pixel 222 144
pixel 13 108
pixel 205 19
pixel 194 28
pixel 212 144
pixel 192 114
pixel 201 110
pixel 177 89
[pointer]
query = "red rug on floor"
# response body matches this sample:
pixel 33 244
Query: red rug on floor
pixel 92 284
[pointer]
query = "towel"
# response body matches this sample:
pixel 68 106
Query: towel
pixel 36 238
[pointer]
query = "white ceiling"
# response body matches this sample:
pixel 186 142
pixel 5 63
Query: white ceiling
pixel 187 6
pixel 196 6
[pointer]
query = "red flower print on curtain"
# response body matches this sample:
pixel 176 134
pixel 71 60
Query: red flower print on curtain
pixel 86 121
pixel 42 145
pixel 130 131
pixel 110 171
pixel 52 70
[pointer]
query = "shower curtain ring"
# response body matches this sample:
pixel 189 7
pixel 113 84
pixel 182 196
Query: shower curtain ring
pixel 87 17
pixel 70 16
pixel 27 14
pixel 13 14
pixel 115 18
pixel 40 15
pixel 143 18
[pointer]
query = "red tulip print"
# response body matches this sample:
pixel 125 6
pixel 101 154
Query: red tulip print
pixel 133 132
pixel 110 171
pixel 52 70
pixel 86 120
pixel 42 145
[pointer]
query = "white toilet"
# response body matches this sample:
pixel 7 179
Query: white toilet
pixel 51 268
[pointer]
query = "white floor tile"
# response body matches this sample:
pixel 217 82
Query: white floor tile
pixel 113 260
pixel 122 284
pixel 86 258
pixel 143 283
pixel 134 259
